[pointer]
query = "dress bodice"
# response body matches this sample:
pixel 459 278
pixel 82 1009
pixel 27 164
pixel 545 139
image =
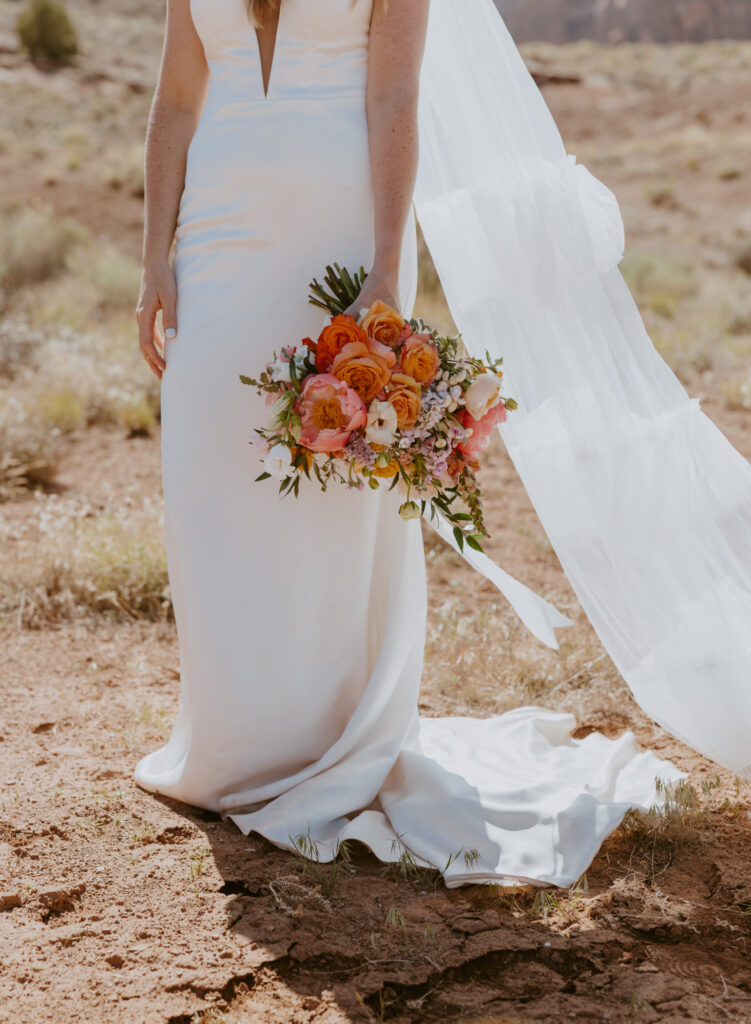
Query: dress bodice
pixel 321 50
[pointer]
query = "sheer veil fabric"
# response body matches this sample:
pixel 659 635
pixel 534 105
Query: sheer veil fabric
pixel 646 503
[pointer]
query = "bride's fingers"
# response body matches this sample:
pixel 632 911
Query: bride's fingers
pixel 146 317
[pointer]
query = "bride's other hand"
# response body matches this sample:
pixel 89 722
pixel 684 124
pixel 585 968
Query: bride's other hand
pixel 158 291
pixel 378 285
pixel 175 112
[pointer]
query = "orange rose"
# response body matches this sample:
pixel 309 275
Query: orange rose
pixel 307 455
pixel 340 332
pixel 365 367
pixel 384 324
pixel 387 471
pixel 419 358
pixel 404 394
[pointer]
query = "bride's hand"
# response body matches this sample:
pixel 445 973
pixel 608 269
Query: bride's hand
pixel 378 285
pixel 158 291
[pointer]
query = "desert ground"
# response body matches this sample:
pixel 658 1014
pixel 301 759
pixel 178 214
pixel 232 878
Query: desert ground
pixel 124 908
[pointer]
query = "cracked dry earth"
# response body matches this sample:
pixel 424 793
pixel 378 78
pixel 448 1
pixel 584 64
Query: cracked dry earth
pixel 124 908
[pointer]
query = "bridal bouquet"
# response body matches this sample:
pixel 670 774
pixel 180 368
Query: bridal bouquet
pixel 380 400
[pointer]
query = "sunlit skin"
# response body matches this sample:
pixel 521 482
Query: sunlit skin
pixel 397 41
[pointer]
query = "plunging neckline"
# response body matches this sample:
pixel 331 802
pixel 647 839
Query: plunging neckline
pixel 265 90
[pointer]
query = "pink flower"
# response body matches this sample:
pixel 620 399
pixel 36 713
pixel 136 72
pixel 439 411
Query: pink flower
pixel 330 411
pixel 481 429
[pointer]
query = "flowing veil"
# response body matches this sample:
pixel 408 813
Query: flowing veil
pixel 646 503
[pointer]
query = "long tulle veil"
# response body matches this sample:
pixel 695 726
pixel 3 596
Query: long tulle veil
pixel 646 503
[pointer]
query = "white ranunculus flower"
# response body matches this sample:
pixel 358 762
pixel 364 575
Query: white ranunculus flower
pixel 278 461
pixel 483 393
pixel 279 370
pixel 301 354
pixel 382 423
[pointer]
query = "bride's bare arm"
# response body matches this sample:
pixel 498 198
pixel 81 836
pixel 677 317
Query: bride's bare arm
pixel 175 110
pixel 397 41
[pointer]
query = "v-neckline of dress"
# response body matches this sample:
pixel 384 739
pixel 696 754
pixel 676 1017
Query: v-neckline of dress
pixel 254 33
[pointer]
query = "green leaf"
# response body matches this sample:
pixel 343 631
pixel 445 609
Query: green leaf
pixel 459 537
pixel 263 476
pixel 473 542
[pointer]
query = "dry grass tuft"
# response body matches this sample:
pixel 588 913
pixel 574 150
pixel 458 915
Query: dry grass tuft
pixel 56 380
pixel 659 282
pixel 29 450
pixel 72 561
pixel 682 816
pixel 35 246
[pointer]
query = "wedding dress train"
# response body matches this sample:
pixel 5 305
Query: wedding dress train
pixel 301 623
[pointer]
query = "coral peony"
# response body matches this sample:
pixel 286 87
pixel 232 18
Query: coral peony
pixel 365 367
pixel 341 331
pixel 420 359
pixel 330 411
pixel 384 324
pixel 404 394
pixel 481 429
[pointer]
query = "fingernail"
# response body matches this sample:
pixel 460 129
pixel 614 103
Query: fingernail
pixel 170 332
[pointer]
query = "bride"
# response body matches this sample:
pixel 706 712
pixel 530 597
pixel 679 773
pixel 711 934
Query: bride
pixel 284 136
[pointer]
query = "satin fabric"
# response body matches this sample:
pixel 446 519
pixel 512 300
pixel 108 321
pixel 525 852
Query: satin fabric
pixel 301 623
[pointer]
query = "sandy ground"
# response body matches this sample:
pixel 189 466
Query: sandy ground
pixel 119 906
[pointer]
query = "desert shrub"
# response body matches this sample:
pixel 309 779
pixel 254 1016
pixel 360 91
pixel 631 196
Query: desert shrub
pixel 116 278
pixel 736 392
pixel 81 562
pixel 659 281
pixel 60 409
pixel 46 31
pixel 743 257
pixel 729 173
pixel 29 450
pixel 661 194
pixel 19 346
pixel 76 144
pixel 126 171
pixel 35 246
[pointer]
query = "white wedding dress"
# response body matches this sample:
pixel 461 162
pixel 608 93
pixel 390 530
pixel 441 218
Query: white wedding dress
pixel 301 622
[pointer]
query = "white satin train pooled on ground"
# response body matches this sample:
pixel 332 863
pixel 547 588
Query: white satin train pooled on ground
pixel 301 623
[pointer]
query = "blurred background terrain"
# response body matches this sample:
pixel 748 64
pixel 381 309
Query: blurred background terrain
pixel 633 21
pixel 116 906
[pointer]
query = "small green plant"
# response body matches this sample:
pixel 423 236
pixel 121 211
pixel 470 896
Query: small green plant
pixel 291 891
pixel 46 32
pixel 198 858
pixel 405 865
